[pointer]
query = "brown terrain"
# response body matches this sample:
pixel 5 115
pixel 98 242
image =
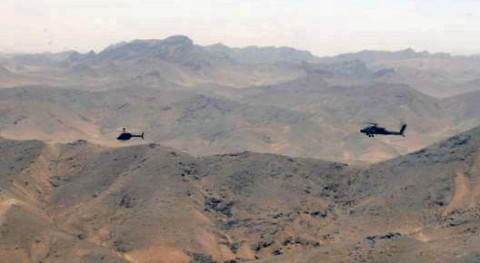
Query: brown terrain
pixel 81 202
pixel 251 155
pixel 216 100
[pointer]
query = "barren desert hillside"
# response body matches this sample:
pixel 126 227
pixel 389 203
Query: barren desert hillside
pixel 80 202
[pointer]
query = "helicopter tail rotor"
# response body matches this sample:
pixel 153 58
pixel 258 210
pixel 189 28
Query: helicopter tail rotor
pixel 402 129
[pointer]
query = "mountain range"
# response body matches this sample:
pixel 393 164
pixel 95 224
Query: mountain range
pixel 81 202
pixel 214 99
pixel 250 155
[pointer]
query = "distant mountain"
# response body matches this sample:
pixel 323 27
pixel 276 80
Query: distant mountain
pixel 149 63
pixel 50 59
pixel 305 118
pixel 470 85
pixel 84 203
pixel 216 99
pixel 377 55
pixel 179 49
pixel 350 69
pixel 434 76
pixel 10 78
pixel 465 106
pixel 4 72
pixel 438 74
pixel 261 55
pixel 178 61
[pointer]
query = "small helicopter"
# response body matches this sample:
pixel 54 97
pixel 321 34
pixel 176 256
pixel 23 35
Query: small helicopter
pixel 375 129
pixel 125 136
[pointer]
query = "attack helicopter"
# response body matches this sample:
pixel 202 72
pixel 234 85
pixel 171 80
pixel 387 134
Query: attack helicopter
pixel 125 136
pixel 374 129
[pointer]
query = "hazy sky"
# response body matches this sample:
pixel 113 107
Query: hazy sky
pixel 322 27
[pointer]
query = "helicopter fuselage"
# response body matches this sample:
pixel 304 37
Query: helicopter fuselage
pixel 371 131
pixel 127 136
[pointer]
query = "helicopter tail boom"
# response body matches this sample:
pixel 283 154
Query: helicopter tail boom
pixel 402 129
pixel 139 136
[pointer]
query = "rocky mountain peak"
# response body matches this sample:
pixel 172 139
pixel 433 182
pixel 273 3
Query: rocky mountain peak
pixel 178 40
